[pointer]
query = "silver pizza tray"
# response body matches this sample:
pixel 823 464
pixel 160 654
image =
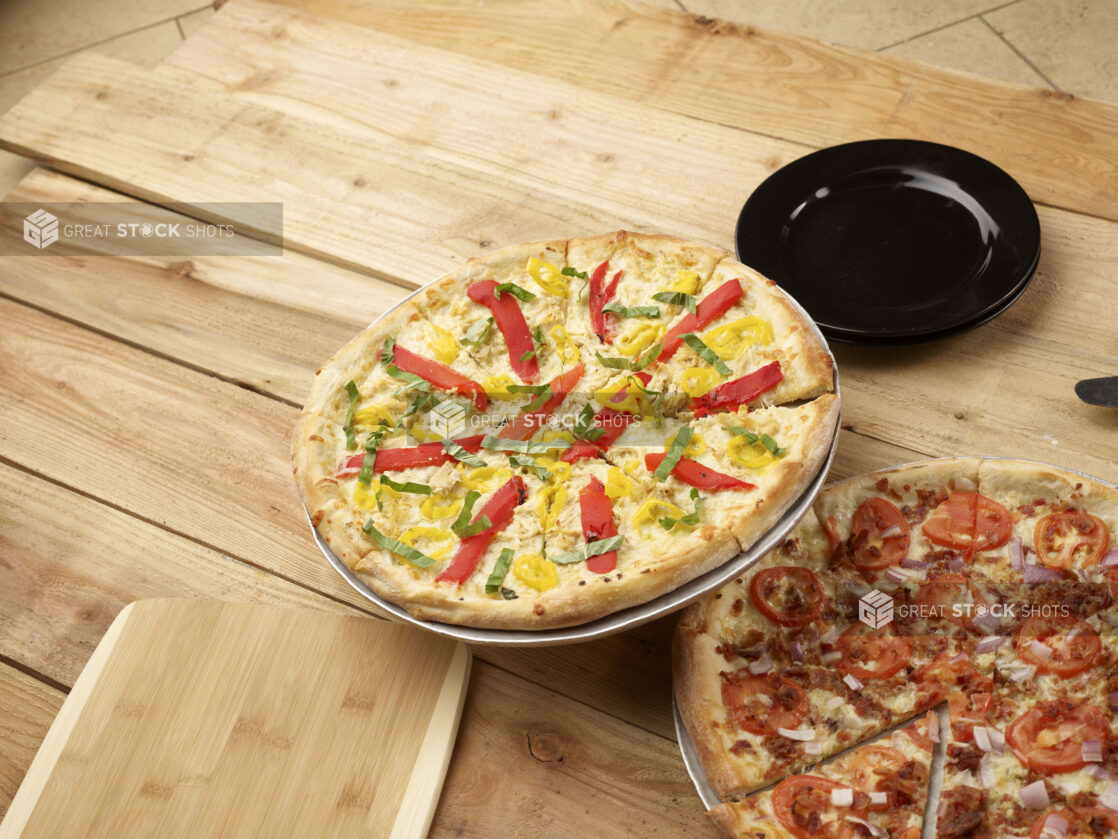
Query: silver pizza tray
pixel 628 618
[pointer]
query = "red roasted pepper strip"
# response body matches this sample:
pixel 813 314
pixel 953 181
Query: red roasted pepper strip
pixel 597 523
pixel 499 509
pixel 391 460
pixel 441 376
pixel 580 451
pixel 511 322
pixel 524 426
pixel 598 297
pixel 694 473
pixel 711 307
pixel 612 423
pixel 728 396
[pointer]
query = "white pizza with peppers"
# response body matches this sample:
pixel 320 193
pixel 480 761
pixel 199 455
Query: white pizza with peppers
pixel 563 429
pixel 982 589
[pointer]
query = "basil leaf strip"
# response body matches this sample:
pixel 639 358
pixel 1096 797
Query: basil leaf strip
pixel 706 353
pixel 508 593
pixel 515 290
pixel 527 354
pixel 527 462
pixel 676 298
pixel 500 444
pixel 632 311
pixel 612 363
pixel 416 558
pixel 538 402
pixel 365 476
pixel 675 452
pixel 462 526
pixel 409 486
pixel 764 439
pixel 582 429
pixel 653 353
pixel 477 333
pixel 461 455
pixel 691 519
pixel 499 572
pixel 347 427
pixel 534 389
pixel 571 272
pixel 583 553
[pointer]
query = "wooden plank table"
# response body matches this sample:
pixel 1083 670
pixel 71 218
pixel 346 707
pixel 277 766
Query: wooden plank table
pixel 146 403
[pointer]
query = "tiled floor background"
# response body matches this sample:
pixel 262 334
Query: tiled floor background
pixel 1065 45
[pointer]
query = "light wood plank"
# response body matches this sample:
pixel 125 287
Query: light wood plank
pixel 547 767
pixel 27 708
pixel 1059 146
pixel 265 322
pixel 380 208
pixel 191 454
pixel 72 574
pixel 534 132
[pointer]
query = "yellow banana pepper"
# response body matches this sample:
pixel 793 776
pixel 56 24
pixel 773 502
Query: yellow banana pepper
pixel 548 277
pixel 536 572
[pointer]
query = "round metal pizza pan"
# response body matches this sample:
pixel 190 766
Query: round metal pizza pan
pixel 627 618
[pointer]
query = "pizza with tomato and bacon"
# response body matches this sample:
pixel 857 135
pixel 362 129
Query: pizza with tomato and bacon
pixel 560 430
pixel 982 589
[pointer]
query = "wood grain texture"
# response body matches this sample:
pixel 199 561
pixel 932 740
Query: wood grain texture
pixel 190 454
pixel 271 321
pixel 63 579
pixel 666 171
pixel 545 766
pixel 27 707
pixel 199 718
pixel 1060 147
pixel 159 139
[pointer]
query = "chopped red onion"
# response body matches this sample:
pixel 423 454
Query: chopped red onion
pixel 957 564
pixel 830 636
pixel 1040 574
pixel 1109 795
pixel 831 657
pixel 797 652
pixel 1041 651
pixel 990 645
pixel 813 747
pixel 833 703
pixel 1016 554
pixel 1020 672
pixel 908 562
pixel 842 796
pixel 997 740
pixel 988 622
pixel 1092 751
pixel 762 665
pixel 986 771
pixel 897 575
pixel 933 726
pixel 890 532
pixel 1096 771
pixel 1035 795
pixel 879 798
pixel 852 682
pixel 797 733
pixel 876 830
pixel 982 738
pixel 1109 558
pixel 957 658
pixel 1112 700
pixel 1055 826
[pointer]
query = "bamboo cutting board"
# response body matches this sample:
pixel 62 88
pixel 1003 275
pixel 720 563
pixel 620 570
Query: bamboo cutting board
pixel 198 718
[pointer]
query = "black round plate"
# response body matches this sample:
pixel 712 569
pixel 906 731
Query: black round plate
pixel 893 241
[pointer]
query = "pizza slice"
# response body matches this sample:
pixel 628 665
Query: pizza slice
pixel 876 790
pixel 776 671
